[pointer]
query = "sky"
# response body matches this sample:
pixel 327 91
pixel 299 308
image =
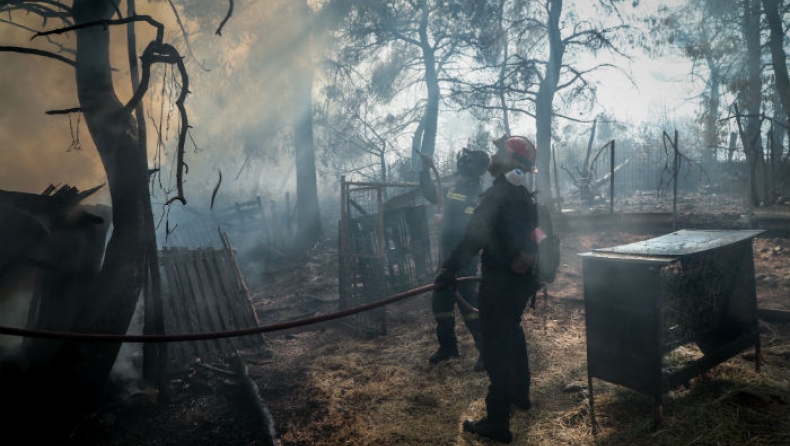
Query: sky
pixel 38 150
pixel 661 87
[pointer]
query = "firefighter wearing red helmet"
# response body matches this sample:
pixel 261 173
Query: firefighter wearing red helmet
pixel 521 150
pixel 500 229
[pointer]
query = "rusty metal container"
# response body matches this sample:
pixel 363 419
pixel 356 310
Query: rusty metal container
pixel 687 291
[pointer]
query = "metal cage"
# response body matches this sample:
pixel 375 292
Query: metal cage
pixel 386 247
pixel 661 311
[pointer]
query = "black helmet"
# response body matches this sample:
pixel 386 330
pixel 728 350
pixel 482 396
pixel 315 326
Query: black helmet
pixel 472 162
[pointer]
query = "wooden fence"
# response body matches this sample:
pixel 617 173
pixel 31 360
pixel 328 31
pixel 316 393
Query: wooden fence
pixel 203 291
pixel 249 223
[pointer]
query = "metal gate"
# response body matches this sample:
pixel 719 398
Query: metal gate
pixel 386 246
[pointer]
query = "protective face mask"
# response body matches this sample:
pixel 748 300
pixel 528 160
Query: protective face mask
pixel 516 177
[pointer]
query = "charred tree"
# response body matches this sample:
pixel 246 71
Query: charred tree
pixel 750 100
pixel 309 218
pixel 71 381
pixel 109 305
pixel 544 101
pixel 778 57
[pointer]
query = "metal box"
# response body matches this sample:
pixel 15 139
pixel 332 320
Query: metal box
pixel 645 300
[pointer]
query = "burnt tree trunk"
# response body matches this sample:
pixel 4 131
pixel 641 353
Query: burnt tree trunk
pixel 309 217
pixel 711 129
pixel 82 368
pixel 424 140
pixel 751 101
pixel 544 102
pixel 431 115
pixel 779 58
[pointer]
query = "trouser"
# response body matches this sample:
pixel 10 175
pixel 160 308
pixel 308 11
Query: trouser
pixel 443 303
pixel 502 301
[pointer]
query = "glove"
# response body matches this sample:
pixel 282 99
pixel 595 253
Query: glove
pixel 522 263
pixel 445 279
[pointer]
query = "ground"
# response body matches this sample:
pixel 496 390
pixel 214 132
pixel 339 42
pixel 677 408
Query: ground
pixel 324 386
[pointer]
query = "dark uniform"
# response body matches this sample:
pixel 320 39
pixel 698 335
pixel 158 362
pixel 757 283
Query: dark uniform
pixel 501 227
pixel 458 204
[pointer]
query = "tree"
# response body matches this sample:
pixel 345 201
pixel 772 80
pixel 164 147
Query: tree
pixel 261 107
pixel 357 141
pixel 557 75
pixel 534 52
pixel 780 101
pixel 409 46
pixel 73 379
pixel 308 213
pixel 778 56
pixel 703 32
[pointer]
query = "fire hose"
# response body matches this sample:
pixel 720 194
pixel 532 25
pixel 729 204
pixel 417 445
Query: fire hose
pixel 45 334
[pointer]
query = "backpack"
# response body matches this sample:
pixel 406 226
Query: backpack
pixel 548 259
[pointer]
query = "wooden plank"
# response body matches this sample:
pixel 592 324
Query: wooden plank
pixel 204 293
pixel 231 290
pixel 189 348
pixel 211 302
pixel 214 346
pixel 181 352
pixel 239 298
pixel 211 280
pixel 247 308
pixel 188 311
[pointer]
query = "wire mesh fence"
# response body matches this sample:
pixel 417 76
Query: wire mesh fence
pixel 704 296
pixel 387 246
pixel 636 177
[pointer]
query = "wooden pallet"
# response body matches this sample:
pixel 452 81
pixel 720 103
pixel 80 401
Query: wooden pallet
pixel 203 291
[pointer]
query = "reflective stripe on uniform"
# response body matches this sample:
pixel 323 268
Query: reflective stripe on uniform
pixel 469 210
pixel 456 197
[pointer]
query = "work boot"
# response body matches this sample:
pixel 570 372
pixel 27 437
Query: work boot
pixel 444 353
pixel 448 343
pixel 497 431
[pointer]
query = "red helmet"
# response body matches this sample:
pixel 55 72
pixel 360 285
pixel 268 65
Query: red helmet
pixel 522 150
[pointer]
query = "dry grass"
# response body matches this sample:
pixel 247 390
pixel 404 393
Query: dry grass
pixel 382 391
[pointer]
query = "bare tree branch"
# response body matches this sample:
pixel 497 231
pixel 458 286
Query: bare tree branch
pixel 23 50
pixel 156 52
pixel 57 5
pixel 38 9
pixel 60 46
pixel 186 37
pixel 227 17
pixel 164 53
pixel 160 28
pixel 64 111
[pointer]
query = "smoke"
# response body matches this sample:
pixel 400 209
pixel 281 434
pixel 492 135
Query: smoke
pixel 15 296
pixel 126 374
pixel 239 106
pixel 39 149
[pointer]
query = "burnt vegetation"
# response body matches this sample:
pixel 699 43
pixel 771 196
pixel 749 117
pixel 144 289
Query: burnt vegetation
pixel 246 259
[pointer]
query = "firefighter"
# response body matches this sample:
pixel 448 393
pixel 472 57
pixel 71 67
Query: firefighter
pixel 501 227
pixel 457 206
